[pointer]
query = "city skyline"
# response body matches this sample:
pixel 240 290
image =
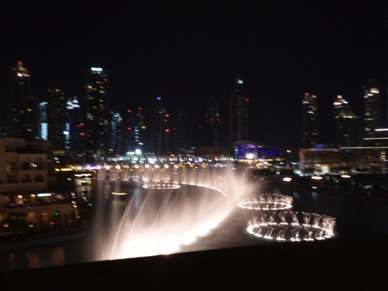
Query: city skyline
pixel 190 53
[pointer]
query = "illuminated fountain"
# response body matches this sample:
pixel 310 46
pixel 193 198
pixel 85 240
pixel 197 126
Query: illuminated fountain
pixel 285 226
pixel 170 210
pixel 165 183
pixel 267 201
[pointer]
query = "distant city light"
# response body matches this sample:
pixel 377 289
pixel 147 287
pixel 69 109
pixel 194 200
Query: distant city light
pixel 96 69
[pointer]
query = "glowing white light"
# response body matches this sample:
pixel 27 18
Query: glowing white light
pixel 119 193
pixel 44 194
pixel 249 156
pixel 287 179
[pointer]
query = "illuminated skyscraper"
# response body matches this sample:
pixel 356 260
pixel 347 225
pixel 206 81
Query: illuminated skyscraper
pixel 238 113
pixel 347 124
pixel 207 128
pixel 97 114
pixel 116 134
pixel 72 127
pixel 56 110
pixel 134 130
pixel 372 110
pixel 309 120
pixel 159 127
pixel 22 107
pixel 43 126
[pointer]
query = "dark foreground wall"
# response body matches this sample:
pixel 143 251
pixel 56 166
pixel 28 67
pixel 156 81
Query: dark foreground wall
pixel 321 265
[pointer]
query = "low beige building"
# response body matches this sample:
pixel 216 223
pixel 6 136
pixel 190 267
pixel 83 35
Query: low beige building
pixel 24 184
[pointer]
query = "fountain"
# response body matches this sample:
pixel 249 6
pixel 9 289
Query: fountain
pixel 172 208
pixel 321 227
pixel 169 210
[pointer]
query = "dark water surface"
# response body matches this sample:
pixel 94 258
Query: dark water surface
pixel 355 217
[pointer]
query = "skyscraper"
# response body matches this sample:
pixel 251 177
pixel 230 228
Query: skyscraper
pixel 178 132
pixel 116 134
pixel 43 126
pixel 372 109
pixel 56 110
pixel 134 130
pixel 97 114
pixel 309 120
pixel 348 125
pixel 22 107
pixel 238 112
pixel 208 125
pixel 159 127
pixel 72 127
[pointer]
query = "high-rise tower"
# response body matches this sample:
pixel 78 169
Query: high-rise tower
pixel 348 125
pixel 238 112
pixel 208 125
pixel 72 127
pixel 134 130
pixel 22 108
pixel 372 110
pixel 309 120
pixel 97 114
pixel 56 110
pixel 159 127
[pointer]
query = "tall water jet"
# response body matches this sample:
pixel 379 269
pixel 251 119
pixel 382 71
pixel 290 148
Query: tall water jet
pixel 169 210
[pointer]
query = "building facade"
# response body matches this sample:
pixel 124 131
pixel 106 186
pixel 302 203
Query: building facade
pixel 310 122
pixel 73 125
pixel 97 114
pixel 372 109
pixel 56 113
pixel 238 112
pixel 22 118
pixel 26 203
pixel 347 124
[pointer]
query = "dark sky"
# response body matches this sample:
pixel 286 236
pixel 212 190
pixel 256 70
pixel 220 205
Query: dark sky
pixel 188 52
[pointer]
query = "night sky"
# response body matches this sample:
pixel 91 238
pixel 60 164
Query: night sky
pixel 187 52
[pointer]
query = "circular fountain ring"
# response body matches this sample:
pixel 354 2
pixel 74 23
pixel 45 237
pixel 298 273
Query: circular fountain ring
pixel 267 201
pixel 278 222
pixel 321 228
pixel 163 184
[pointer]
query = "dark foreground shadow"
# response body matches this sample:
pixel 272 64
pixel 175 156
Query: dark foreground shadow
pixel 323 265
